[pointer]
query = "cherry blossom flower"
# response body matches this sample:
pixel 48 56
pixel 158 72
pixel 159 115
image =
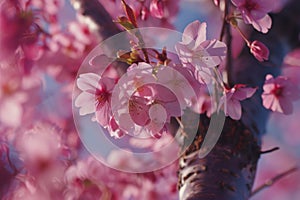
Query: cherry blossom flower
pixel 197 50
pixel 95 97
pixel 231 100
pixel 145 101
pixel 198 53
pixel 255 12
pixel 155 110
pixel 279 93
pixel 259 50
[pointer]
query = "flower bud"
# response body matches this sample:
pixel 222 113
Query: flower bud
pixel 259 50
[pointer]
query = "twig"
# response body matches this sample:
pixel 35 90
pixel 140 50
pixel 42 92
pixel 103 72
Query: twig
pixel 228 43
pixel 224 22
pixel 225 31
pixel 95 10
pixel 270 150
pixel 270 182
pixel 181 126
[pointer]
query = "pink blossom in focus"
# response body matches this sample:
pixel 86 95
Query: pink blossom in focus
pixel 95 96
pixel 279 93
pixel 259 51
pixel 255 12
pixel 146 100
pixel 197 51
pixel 231 100
pixel 153 111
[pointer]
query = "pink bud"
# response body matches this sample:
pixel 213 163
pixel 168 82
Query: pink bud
pixel 259 50
pixel 157 8
pixel 217 2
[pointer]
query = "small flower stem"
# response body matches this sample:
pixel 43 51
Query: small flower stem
pixel 243 36
pixel 179 122
pixel 181 126
pixel 270 182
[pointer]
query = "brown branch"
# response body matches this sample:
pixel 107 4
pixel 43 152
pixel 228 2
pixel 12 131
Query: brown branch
pixel 269 151
pixel 95 10
pixel 273 180
pixel 228 40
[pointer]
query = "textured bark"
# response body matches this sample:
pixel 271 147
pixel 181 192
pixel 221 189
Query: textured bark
pixel 228 171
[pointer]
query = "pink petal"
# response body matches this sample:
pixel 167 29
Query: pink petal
pixel 195 31
pixel 263 25
pixel 276 106
pixel 138 110
pixel 216 52
pixel 109 83
pixel 244 93
pixel 184 52
pixel 268 100
pixel 103 114
pixel 11 113
pixel 86 103
pixel 88 81
pixel 100 61
pixel 286 105
pixel 158 117
pixel 234 109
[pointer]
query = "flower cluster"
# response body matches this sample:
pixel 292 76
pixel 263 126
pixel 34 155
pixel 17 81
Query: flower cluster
pixel 143 101
pixel 255 12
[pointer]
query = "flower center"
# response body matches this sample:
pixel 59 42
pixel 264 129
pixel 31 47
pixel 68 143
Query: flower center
pixel 101 98
pixel 277 90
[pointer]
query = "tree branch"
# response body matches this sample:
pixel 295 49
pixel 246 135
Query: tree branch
pixel 270 182
pixel 95 10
